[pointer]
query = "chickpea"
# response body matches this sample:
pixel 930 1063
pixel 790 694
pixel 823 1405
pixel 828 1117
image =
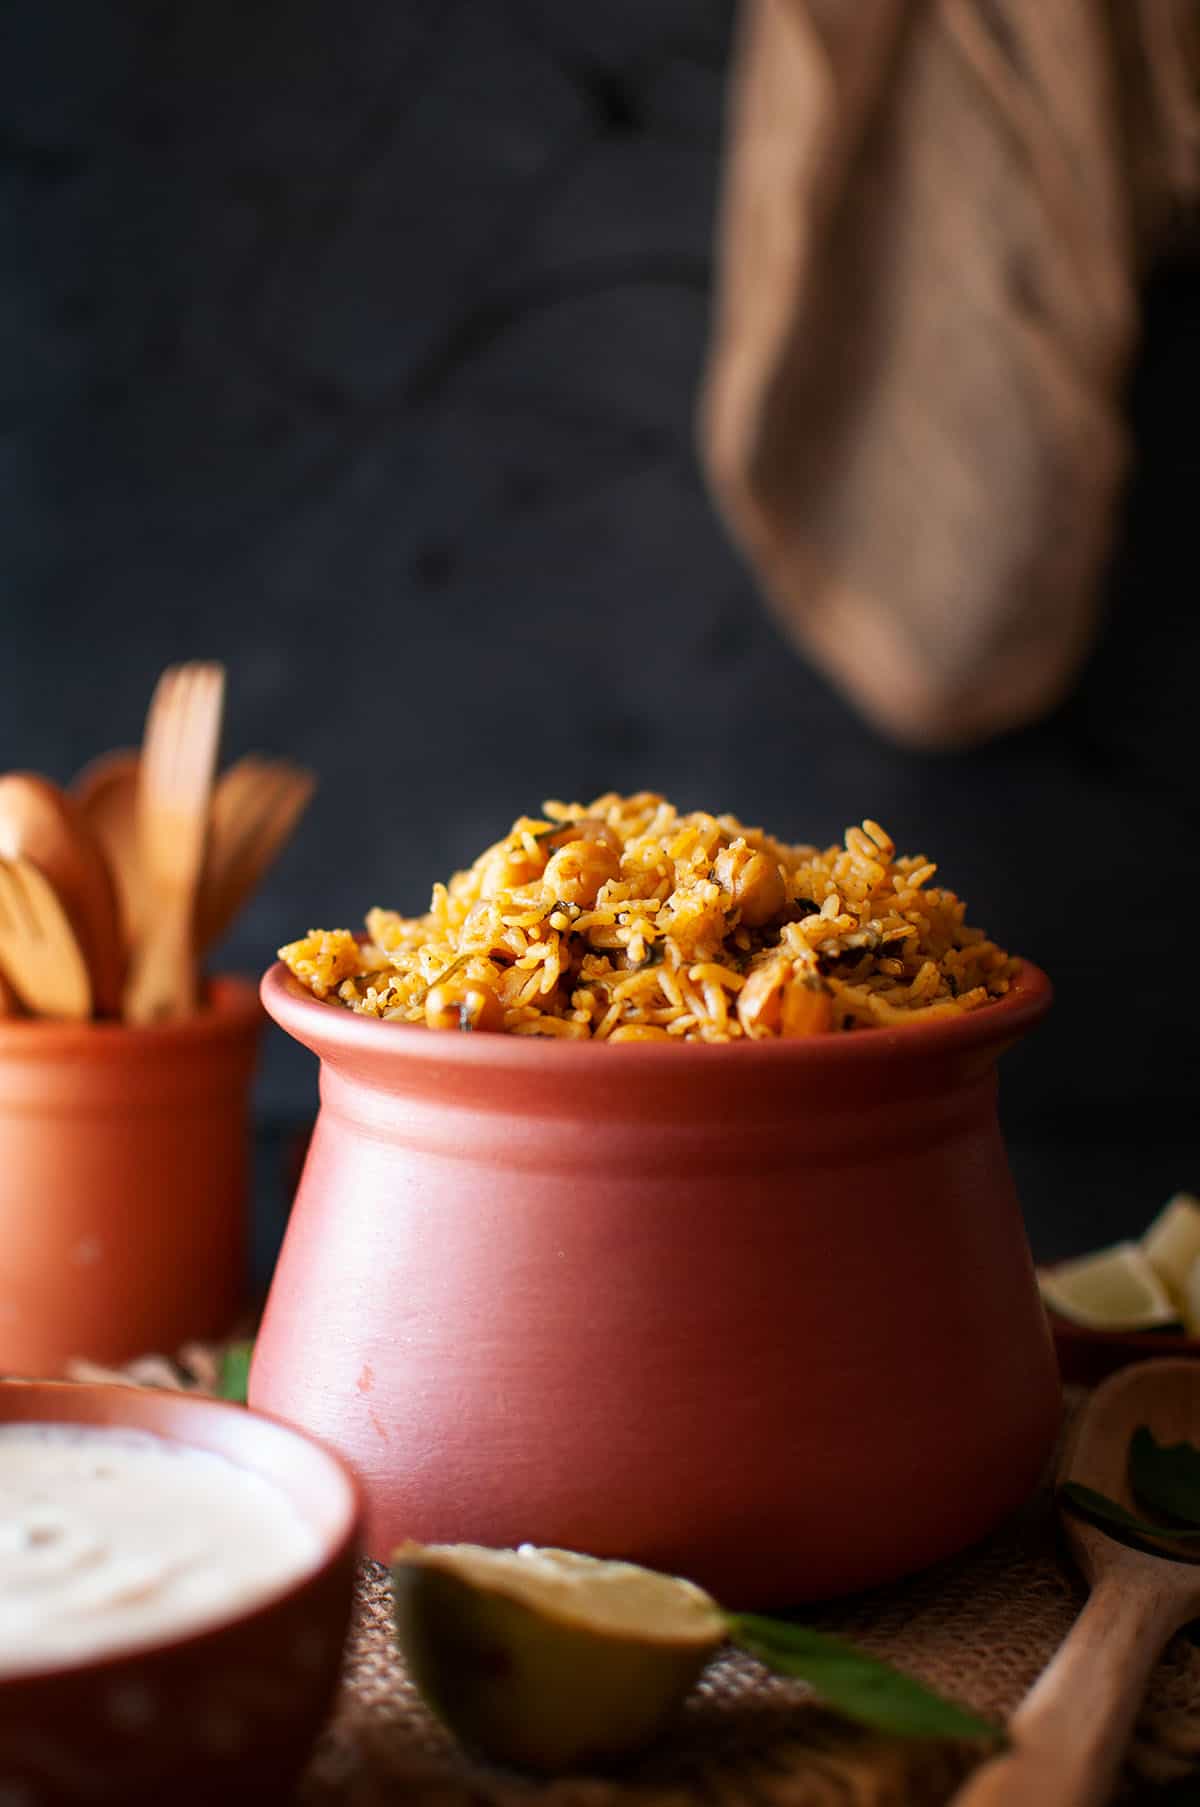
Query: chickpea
pixel 759 1002
pixel 807 1008
pixel 506 867
pixel 776 1000
pixel 577 871
pixel 461 1003
pixel 586 828
pixel 756 884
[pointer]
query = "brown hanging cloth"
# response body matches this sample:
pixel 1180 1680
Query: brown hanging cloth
pixel 935 217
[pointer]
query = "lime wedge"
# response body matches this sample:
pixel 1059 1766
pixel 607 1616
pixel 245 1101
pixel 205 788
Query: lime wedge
pixel 544 1659
pixel 1114 1289
pixel 1191 1300
pixel 1172 1243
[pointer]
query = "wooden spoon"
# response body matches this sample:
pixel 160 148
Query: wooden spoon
pixel 1069 1734
pixel 40 955
pixel 41 824
pixel 175 780
pixel 106 791
pixel 256 806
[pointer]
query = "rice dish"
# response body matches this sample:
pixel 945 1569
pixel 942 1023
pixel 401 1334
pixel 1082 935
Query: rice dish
pixel 624 920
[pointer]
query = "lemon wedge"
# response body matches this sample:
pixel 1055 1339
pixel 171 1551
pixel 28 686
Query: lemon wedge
pixel 1172 1243
pixel 1114 1289
pixel 545 1659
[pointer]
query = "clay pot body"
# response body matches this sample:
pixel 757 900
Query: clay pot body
pixel 123 1182
pixel 763 1313
pixel 225 1714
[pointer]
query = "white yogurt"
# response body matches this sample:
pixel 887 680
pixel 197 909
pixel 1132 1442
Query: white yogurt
pixel 113 1538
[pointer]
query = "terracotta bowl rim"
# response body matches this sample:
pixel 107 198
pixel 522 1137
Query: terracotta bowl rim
pixel 233 1009
pixel 337 1547
pixel 329 1027
pixel 1146 1343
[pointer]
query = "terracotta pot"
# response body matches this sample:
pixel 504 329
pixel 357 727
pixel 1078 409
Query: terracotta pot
pixel 223 1715
pixel 123 1182
pixel 762 1313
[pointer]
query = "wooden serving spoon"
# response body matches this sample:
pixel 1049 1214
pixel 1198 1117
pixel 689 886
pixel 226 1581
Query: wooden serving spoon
pixel 255 808
pixel 175 781
pixel 40 955
pixel 106 791
pixel 41 824
pixel 1071 1731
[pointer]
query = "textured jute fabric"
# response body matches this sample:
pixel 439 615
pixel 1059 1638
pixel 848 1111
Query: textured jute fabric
pixel 935 217
pixel 980 1627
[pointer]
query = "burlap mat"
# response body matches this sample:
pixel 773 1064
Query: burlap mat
pixel 981 1627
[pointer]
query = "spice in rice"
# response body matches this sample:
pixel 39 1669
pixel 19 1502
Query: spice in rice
pixel 623 920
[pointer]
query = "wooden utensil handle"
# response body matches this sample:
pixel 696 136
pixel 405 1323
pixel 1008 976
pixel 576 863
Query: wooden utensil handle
pixel 163 981
pixel 1071 1731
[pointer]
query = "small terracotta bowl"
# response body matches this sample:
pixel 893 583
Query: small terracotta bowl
pixel 762 1313
pixel 125 1155
pixel 223 1715
pixel 1086 1357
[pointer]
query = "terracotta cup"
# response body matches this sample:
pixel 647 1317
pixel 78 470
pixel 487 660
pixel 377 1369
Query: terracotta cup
pixel 123 1182
pixel 761 1313
pixel 225 1714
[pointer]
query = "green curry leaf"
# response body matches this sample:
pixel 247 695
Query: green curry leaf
pixel 1098 1506
pixel 1165 1477
pixel 857 1685
pixel 233 1376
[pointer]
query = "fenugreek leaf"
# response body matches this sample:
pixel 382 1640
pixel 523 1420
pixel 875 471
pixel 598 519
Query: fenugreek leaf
pixel 854 1684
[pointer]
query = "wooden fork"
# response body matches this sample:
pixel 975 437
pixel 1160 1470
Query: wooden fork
pixel 106 791
pixel 256 806
pixel 41 959
pixel 175 781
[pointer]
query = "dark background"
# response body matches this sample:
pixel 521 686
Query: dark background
pixel 358 348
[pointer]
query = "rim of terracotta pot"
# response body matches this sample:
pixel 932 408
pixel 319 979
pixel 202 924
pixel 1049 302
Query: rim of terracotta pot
pixel 331 1028
pixel 232 1007
pixel 159 1410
